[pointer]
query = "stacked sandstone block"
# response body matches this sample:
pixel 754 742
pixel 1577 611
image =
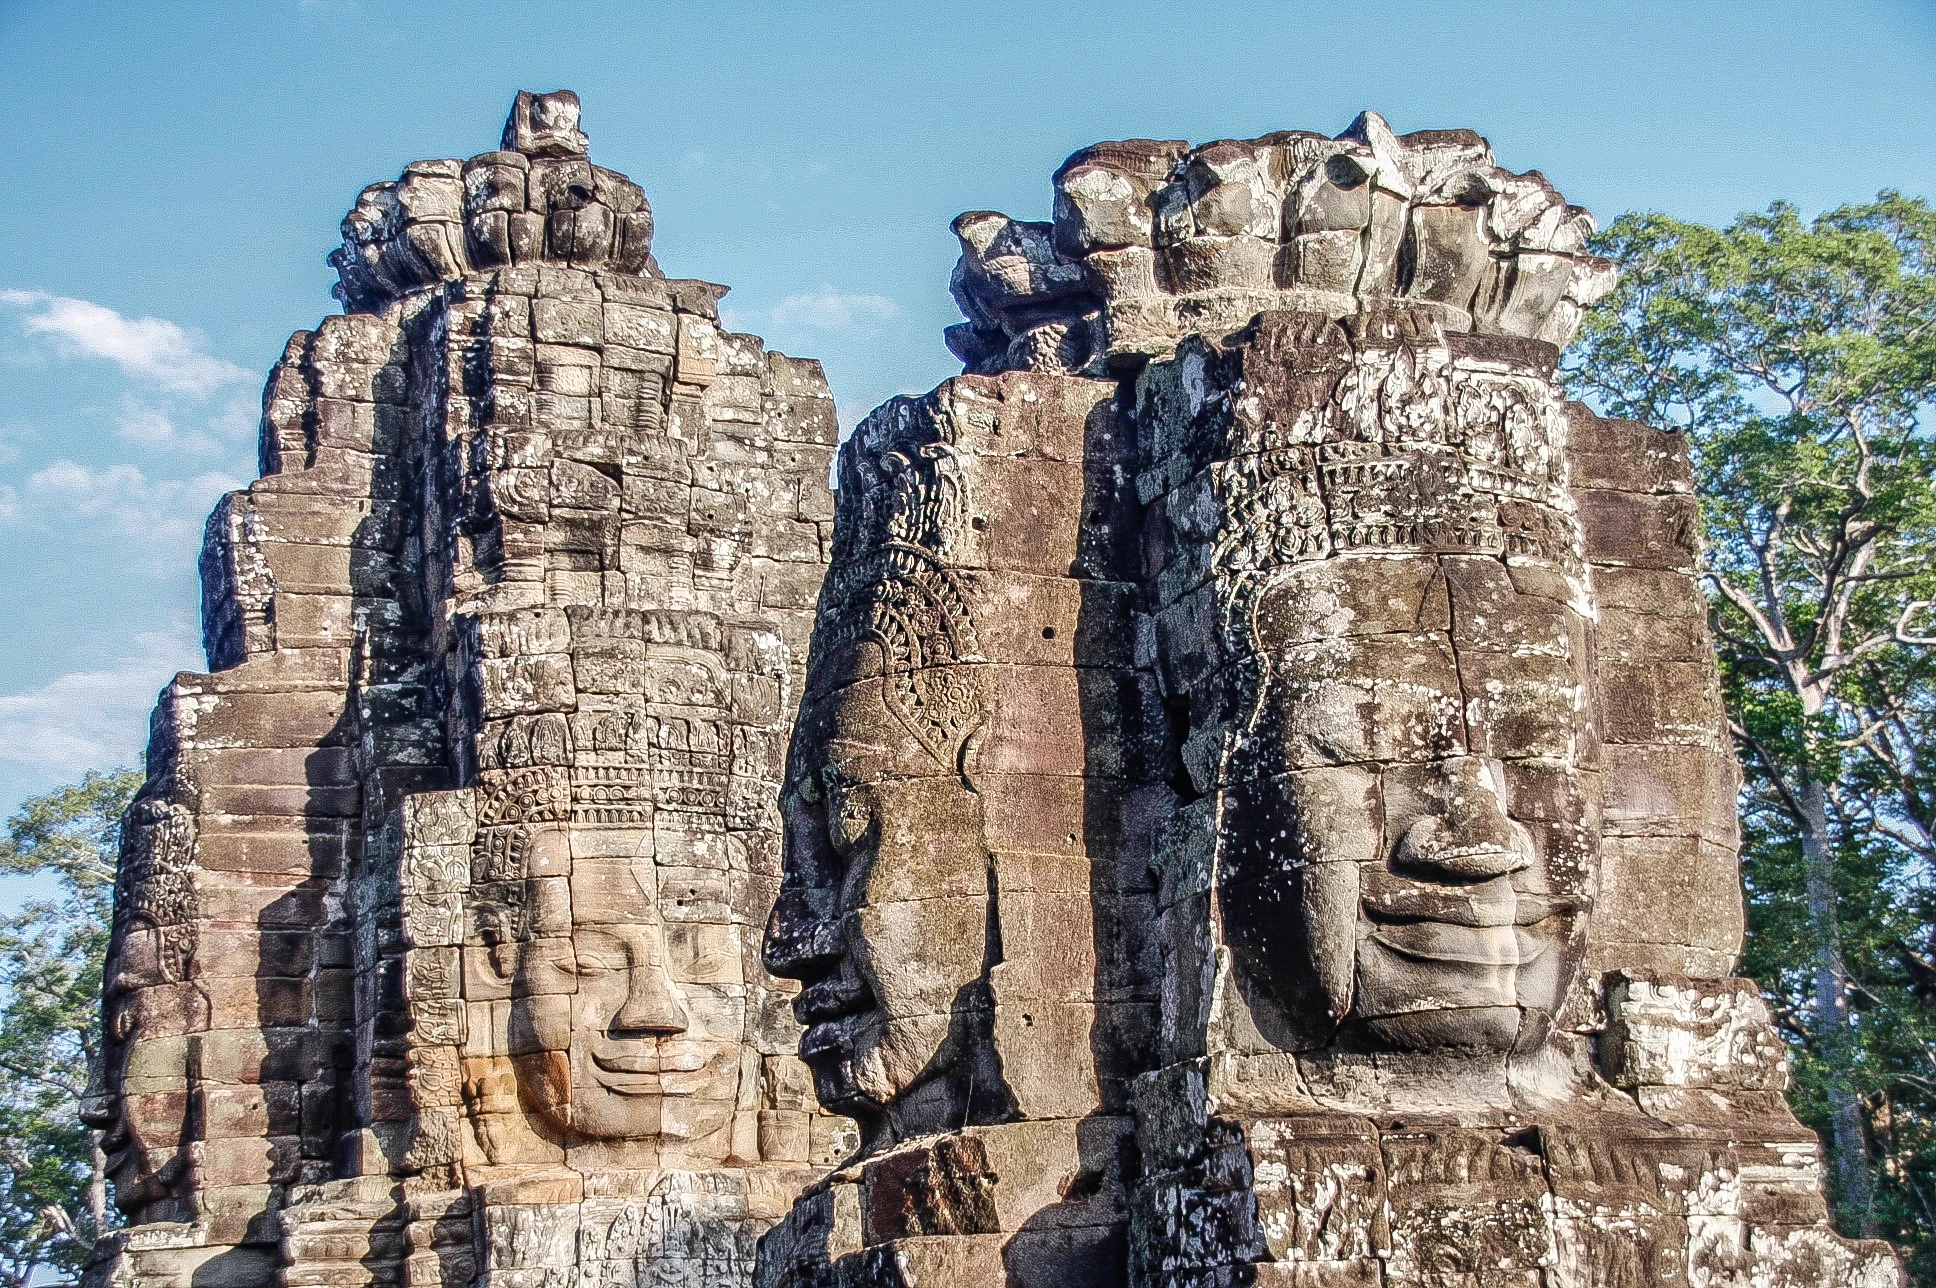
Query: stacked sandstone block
pixel 982 719
pixel 520 601
pixel 1670 898
pixel 315 715
pixel 1441 894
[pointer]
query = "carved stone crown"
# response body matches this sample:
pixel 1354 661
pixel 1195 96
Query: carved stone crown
pixel 1379 435
pixel 538 200
pixel 1154 240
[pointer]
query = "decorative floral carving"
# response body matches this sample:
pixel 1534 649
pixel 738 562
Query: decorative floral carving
pixel 901 593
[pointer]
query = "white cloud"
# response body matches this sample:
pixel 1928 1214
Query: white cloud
pixel 151 349
pixel 73 490
pixel 239 420
pixel 147 426
pixel 153 428
pixel 162 516
pixel 95 718
pixel 829 310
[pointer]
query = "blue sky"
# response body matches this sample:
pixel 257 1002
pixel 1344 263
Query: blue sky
pixel 176 174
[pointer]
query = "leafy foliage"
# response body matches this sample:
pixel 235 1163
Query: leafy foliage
pixel 52 1195
pixel 1799 357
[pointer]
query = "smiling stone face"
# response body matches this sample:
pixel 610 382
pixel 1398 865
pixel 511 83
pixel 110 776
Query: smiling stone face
pixel 608 1043
pixel 1408 835
pixel 884 911
pixel 150 1010
pixel 1376 603
pixel 885 915
pixel 977 737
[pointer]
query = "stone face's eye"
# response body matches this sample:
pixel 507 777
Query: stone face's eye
pixel 849 815
pixel 598 955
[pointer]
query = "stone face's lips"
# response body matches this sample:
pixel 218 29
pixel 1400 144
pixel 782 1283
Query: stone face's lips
pixel 642 1061
pixel 118 1145
pixel 1478 861
pixel 675 1060
pixel 632 1073
pixel 1391 899
pixel 832 1009
pixel 829 1036
pixel 1398 901
pixel 1528 928
pixel 1438 941
pixel 830 999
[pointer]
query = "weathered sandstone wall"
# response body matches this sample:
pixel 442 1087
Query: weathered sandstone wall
pixel 436 944
pixel 1236 791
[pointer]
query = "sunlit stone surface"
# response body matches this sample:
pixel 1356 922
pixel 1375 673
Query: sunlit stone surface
pixel 1258 589
pixel 436 952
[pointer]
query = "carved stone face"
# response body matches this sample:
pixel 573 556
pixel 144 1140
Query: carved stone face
pixel 950 754
pixel 150 1011
pixel 146 1061
pixel 1412 833
pixel 883 915
pixel 609 1044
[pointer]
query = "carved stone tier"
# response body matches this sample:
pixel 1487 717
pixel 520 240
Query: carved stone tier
pixel 1155 240
pixel 436 939
pixel 1695 1173
pixel 1406 790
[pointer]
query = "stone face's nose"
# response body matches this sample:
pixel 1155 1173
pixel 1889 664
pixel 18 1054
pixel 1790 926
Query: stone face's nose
pixel 545 125
pixel 1465 834
pixel 652 1002
pixel 803 933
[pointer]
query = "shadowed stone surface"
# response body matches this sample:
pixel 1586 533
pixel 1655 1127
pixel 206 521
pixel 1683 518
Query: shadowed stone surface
pixel 1258 574
pixel 435 954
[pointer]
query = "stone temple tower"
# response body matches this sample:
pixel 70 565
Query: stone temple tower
pixel 1238 793
pixel 1340 881
pixel 436 942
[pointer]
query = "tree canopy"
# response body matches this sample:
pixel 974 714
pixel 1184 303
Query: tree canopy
pixel 53 1197
pixel 1799 358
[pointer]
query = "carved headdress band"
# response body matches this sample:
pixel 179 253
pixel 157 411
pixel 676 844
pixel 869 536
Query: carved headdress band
pixel 900 593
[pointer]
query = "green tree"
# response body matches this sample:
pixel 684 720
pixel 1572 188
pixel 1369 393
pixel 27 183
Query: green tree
pixel 1799 357
pixel 53 1194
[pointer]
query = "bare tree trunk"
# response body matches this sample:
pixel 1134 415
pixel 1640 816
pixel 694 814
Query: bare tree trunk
pixel 97 1186
pixel 1850 1147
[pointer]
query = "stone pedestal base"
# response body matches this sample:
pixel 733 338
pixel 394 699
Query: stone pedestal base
pixel 169 1254
pixel 546 1230
pixel 1025 1205
pixel 1318 1200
